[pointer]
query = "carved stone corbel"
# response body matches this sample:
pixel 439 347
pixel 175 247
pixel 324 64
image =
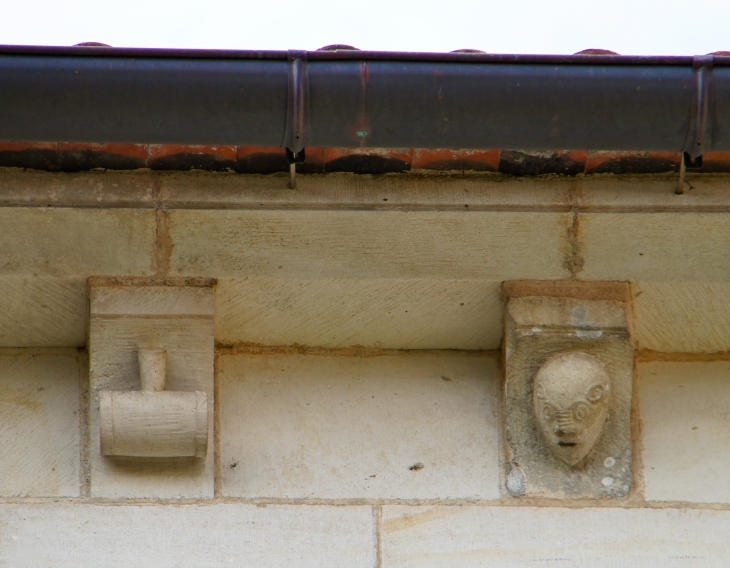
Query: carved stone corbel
pixel 569 373
pixel 151 357
pixel 153 422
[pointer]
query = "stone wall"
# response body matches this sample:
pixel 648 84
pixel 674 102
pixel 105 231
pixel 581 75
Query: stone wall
pixel 358 402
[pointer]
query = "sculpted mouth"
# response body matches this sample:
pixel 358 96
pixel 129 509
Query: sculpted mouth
pixel 569 444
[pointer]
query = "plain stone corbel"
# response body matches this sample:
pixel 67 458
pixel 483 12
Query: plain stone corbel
pixel 153 422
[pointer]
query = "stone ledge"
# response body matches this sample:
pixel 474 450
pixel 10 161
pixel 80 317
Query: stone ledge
pixel 440 191
pixel 69 536
pixel 466 537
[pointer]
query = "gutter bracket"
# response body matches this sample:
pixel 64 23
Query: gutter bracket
pixel 296 130
pixel 701 118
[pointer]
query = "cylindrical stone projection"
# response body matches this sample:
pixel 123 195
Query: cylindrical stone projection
pixel 152 369
pixel 154 424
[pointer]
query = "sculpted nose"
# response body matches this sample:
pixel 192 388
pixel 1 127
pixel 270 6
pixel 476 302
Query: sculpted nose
pixel 564 423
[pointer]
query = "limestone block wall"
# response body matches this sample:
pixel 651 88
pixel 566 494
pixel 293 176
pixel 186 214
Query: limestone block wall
pixel 358 401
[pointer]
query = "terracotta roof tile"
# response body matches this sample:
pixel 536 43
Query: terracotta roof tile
pixel 75 156
pixel 183 157
pixel 67 156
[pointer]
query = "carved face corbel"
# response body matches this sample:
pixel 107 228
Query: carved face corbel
pixel 571 398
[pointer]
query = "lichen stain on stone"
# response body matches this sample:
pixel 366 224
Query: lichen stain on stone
pixel 20 398
pixel 573 261
pixel 410 521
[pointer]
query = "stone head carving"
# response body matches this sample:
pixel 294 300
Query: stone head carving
pixel 571 398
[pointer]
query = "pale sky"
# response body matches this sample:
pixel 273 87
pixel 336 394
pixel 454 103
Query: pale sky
pixel 648 27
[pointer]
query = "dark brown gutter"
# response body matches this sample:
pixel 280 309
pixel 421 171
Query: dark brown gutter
pixel 356 99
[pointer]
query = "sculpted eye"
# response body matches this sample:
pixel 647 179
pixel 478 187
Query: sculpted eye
pixel 580 411
pixel 547 412
pixel 539 391
pixel 596 393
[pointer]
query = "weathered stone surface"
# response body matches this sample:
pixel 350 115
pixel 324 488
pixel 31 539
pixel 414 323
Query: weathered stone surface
pixel 42 311
pixel 152 300
pixel 682 317
pixel 379 313
pixel 83 189
pixel 685 410
pixel 124 322
pixel 76 242
pixel 73 535
pixel 215 190
pixel 654 246
pixel 46 254
pixel 368 244
pixel 585 335
pixel 39 423
pixel 589 316
pixel 614 291
pixel 651 193
pixel 497 537
pixel 406 426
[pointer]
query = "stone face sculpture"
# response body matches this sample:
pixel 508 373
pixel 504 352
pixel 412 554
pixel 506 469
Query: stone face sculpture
pixel 571 399
pixel 569 364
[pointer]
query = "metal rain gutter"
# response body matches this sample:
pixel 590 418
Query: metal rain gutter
pixel 365 99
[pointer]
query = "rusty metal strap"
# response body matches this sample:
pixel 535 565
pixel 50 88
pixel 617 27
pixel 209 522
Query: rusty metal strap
pixel 702 109
pixel 296 131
